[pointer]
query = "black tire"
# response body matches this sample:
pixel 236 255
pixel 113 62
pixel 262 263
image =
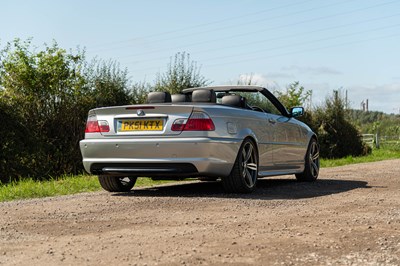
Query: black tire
pixel 311 168
pixel 117 184
pixel 243 177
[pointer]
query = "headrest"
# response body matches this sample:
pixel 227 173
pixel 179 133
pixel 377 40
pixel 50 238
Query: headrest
pixel 159 97
pixel 204 96
pixel 234 100
pixel 179 98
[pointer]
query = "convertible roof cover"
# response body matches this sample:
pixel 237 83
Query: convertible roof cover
pixel 224 88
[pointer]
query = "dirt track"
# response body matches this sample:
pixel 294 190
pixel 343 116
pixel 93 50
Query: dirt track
pixel 350 216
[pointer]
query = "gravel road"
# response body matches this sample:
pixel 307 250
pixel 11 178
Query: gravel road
pixel 350 216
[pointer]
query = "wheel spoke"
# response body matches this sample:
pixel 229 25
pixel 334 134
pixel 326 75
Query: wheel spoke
pixel 314 168
pixel 315 156
pixel 247 167
pixel 312 150
pixel 252 166
pixel 249 153
pixel 244 155
pixel 249 178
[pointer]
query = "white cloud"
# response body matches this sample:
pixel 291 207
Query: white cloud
pixel 280 75
pixel 257 79
pixel 385 98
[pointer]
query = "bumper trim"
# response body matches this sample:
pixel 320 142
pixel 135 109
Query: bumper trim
pixel 144 169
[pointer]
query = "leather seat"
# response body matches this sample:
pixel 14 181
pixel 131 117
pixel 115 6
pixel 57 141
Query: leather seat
pixel 179 98
pixel 204 96
pixel 159 97
pixel 234 100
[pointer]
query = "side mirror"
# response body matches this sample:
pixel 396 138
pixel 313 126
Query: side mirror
pixel 296 111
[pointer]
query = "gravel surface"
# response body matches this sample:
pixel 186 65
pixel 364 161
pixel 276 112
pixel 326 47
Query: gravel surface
pixel 350 216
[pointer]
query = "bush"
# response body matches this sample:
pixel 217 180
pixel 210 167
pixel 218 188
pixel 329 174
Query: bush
pixel 110 83
pixel 139 92
pixel 46 96
pixel 337 136
pixel 15 146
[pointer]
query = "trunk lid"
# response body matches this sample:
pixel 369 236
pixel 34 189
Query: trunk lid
pixel 142 120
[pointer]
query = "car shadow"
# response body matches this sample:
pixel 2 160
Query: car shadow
pixel 267 189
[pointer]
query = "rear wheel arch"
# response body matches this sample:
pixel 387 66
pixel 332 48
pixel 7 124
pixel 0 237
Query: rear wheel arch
pixel 314 136
pixel 252 139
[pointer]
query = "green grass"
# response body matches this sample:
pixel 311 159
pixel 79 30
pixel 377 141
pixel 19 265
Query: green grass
pixel 376 155
pixel 66 185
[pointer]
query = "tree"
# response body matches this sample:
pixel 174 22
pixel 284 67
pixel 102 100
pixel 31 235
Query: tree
pixel 15 145
pixel 49 96
pixel 296 95
pixel 182 73
pixel 139 92
pixel 50 93
pixel 337 136
pixel 110 84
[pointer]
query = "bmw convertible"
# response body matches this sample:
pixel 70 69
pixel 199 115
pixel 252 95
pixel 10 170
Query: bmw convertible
pixel 233 133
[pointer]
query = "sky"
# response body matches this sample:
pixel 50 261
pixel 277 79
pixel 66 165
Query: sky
pixel 351 45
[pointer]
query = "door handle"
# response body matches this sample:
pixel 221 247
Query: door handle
pixel 271 121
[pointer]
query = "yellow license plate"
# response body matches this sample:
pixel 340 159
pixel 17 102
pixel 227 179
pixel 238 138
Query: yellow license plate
pixel 141 125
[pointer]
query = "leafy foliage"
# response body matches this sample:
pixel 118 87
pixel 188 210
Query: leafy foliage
pixel 295 95
pixel 45 99
pixel 182 73
pixel 15 145
pixel 372 121
pixel 46 90
pixel 139 92
pixel 110 83
pixel 337 136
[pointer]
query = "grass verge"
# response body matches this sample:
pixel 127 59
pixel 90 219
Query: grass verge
pixel 376 155
pixel 66 185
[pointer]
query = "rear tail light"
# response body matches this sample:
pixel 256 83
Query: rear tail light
pixel 95 126
pixel 198 121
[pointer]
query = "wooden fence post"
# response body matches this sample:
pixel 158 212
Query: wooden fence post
pixel 377 141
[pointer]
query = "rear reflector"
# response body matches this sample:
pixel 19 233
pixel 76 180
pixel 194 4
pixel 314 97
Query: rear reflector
pixel 198 121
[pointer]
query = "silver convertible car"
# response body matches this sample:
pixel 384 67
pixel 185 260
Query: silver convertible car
pixel 235 133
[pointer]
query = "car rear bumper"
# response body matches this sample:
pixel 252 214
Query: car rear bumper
pixel 160 157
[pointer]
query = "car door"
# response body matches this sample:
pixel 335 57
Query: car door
pixel 265 135
pixel 287 149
